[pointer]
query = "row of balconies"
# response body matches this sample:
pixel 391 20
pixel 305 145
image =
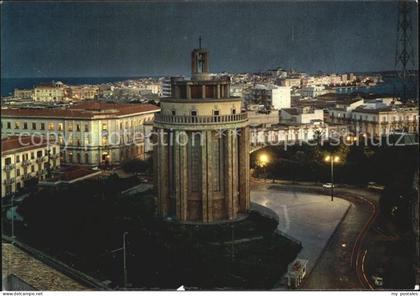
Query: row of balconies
pixel 209 119
pixel 27 162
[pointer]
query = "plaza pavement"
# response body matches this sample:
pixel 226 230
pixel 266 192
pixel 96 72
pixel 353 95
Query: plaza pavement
pixel 309 218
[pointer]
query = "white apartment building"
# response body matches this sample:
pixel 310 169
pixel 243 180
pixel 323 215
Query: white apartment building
pixel 271 96
pixel 23 158
pixel 291 82
pixel 166 85
pixel 89 133
pixel 23 93
pixel 377 122
pixel 313 91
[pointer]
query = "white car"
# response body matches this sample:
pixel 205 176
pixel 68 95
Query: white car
pixel 328 185
pixel 378 280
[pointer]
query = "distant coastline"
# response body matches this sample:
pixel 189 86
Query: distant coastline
pixel 389 87
pixel 9 84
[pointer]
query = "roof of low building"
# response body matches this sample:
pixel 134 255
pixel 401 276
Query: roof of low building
pixel 83 110
pixel 35 273
pixel 20 144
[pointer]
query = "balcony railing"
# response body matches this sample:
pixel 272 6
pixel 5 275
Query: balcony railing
pixel 9 167
pixel 181 119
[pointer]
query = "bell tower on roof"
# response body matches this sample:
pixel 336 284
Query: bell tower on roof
pixel 200 63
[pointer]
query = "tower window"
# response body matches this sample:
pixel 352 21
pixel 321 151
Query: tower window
pixel 174 112
pixel 216 112
pixel 193 113
pixel 233 111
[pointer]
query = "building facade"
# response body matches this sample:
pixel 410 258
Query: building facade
pixel 377 122
pixel 271 96
pixel 24 158
pixel 52 92
pixel 202 152
pixel 89 133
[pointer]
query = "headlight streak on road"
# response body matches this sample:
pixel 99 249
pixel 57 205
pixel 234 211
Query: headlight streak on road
pixel 363 270
pixel 356 247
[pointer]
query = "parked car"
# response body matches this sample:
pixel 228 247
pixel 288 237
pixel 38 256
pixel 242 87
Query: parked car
pixel 328 185
pixel 378 277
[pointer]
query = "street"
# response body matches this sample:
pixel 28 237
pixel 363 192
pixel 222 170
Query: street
pixel 309 218
pixel 341 262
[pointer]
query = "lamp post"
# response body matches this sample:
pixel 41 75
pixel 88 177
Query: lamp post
pixel 332 159
pixel 13 218
pixel 125 259
pixel 123 249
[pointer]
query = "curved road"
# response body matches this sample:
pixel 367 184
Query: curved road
pixel 341 264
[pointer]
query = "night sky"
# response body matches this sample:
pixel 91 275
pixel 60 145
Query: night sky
pixel 51 39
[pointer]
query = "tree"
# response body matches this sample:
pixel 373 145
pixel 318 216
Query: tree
pixel 136 166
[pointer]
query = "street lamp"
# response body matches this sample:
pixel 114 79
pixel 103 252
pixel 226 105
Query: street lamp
pixel 13 217
pixel 332 159
pixel 262 161
pixel 125 259
pixel 123 249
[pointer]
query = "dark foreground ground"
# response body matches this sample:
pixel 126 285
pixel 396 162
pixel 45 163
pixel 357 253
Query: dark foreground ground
pixel 87 236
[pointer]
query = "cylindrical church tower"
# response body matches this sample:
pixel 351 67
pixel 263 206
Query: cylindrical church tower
pixel 202 152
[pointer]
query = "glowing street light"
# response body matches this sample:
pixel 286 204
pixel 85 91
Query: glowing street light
pixel 332 159
pixel 263 159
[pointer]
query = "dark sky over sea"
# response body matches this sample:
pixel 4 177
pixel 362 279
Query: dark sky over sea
pixel 94 39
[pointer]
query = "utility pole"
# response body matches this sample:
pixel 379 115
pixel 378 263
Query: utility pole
pixel 332 179
pixel 13 218
pixel 404 54
pixel 124 250
pixel 125 260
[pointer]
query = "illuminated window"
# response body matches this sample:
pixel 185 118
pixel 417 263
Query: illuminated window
pixel 17 125
pixel 50 126
pixel 60 126
pixel 104 141
pixel 104 126
pixel 70 127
